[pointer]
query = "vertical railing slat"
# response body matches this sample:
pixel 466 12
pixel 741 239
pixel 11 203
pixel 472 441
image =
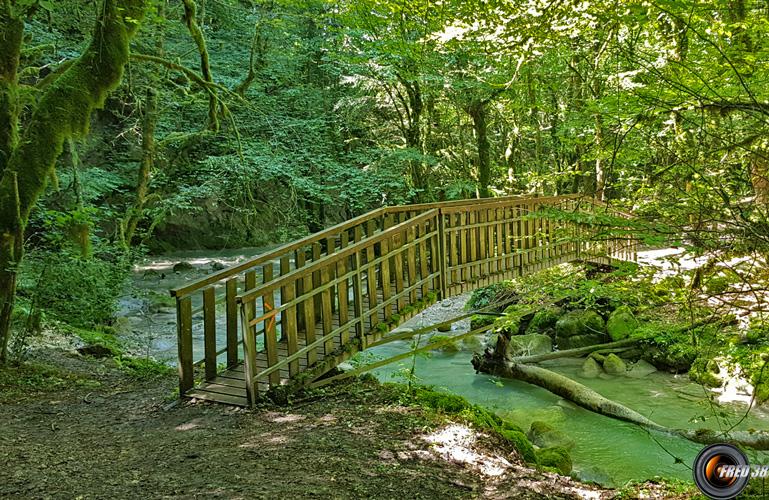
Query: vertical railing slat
pixel 209 331
pixel 288 317
pixel 184 343
pixel 270 332
pixel 231 305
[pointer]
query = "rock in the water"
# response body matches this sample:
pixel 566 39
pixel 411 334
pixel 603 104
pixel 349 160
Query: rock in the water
pixel 621 323
pixel 529 345
pixel 182 266
pixel 476 343
pixel 591 368
pixel 641 369
pixel 445 328
pixel 215 265
pixel 446 303
pixel 479 320
pixel 556 457
pixel 706 372
pixel 544 320
pixel 543 435
pixel 580 322
pixel 614 365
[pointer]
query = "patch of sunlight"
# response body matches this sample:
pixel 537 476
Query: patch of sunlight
pixel 281 418
pixel 188 426
pixel 454 443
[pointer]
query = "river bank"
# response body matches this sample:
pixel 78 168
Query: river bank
pixel 98 432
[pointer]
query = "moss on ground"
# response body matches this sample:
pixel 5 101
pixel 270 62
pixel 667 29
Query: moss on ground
pixel 457 406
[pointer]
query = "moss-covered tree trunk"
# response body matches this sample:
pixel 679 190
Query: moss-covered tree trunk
pixel 190 19
pixel 477 111
pixel 63 111
pixel 11 33
pixel 149 121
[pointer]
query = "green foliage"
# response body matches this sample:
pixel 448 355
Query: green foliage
pixel 143 368
pixel 457 406
pixel 18 380
pixel 99 338
pixel 80 292
pixel 496 295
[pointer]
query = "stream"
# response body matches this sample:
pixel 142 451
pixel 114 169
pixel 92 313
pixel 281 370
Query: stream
pixel 606 450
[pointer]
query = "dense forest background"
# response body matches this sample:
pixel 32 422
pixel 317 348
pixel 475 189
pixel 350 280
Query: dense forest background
pixel 243 123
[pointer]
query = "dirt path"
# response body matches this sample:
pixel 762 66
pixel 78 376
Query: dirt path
pixel 108 436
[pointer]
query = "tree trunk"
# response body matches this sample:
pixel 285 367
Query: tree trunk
pixel 11 34
pixel 190 19
pixel 63 111
pixel 600 170
pixel 414 137
pixel 149 121
pixel 477 111
pixel 591 400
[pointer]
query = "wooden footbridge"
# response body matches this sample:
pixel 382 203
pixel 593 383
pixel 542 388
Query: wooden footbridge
pixel 281 320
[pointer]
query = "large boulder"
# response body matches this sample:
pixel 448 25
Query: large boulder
pixel 557 457
pixel 580 341
pixel 591 368
pixel 528 345
pixel 614 365
pixel 579 328
pixel 579 322
pixel 621 323
pixel 544 320
pixel 543 435
pixel 479 320
pixel 640 369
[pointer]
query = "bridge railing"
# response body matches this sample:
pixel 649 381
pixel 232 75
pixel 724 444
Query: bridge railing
pixel 335 290
pixel 362 289
pixel 208 331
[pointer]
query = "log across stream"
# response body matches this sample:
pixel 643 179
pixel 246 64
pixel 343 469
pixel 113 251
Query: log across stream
pixel 606 450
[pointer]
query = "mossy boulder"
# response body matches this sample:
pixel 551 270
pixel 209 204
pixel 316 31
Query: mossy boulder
pixel 529 345
pixel 579 341
pixel 591 368
pixel 543 435
pixel 521 443
pixel 556 457
pixel 614 365
pixel 476 343
pixel 705 372
pixel 641 369
pixel 579 322
pixel 621 324
pixel 451 346
pixel 479 320
pixel 544 320
pixel 675 357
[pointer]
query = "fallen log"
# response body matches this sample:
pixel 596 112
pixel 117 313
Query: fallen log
pixel 577 352
pixel 589 399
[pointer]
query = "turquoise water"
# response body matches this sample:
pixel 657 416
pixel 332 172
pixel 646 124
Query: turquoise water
pixel 607 451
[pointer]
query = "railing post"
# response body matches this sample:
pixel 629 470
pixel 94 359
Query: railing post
pixel 184 343
pixel 249 353
pixel 442 265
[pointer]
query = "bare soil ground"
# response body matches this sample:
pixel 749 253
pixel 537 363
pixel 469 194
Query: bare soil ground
pixel 94 432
